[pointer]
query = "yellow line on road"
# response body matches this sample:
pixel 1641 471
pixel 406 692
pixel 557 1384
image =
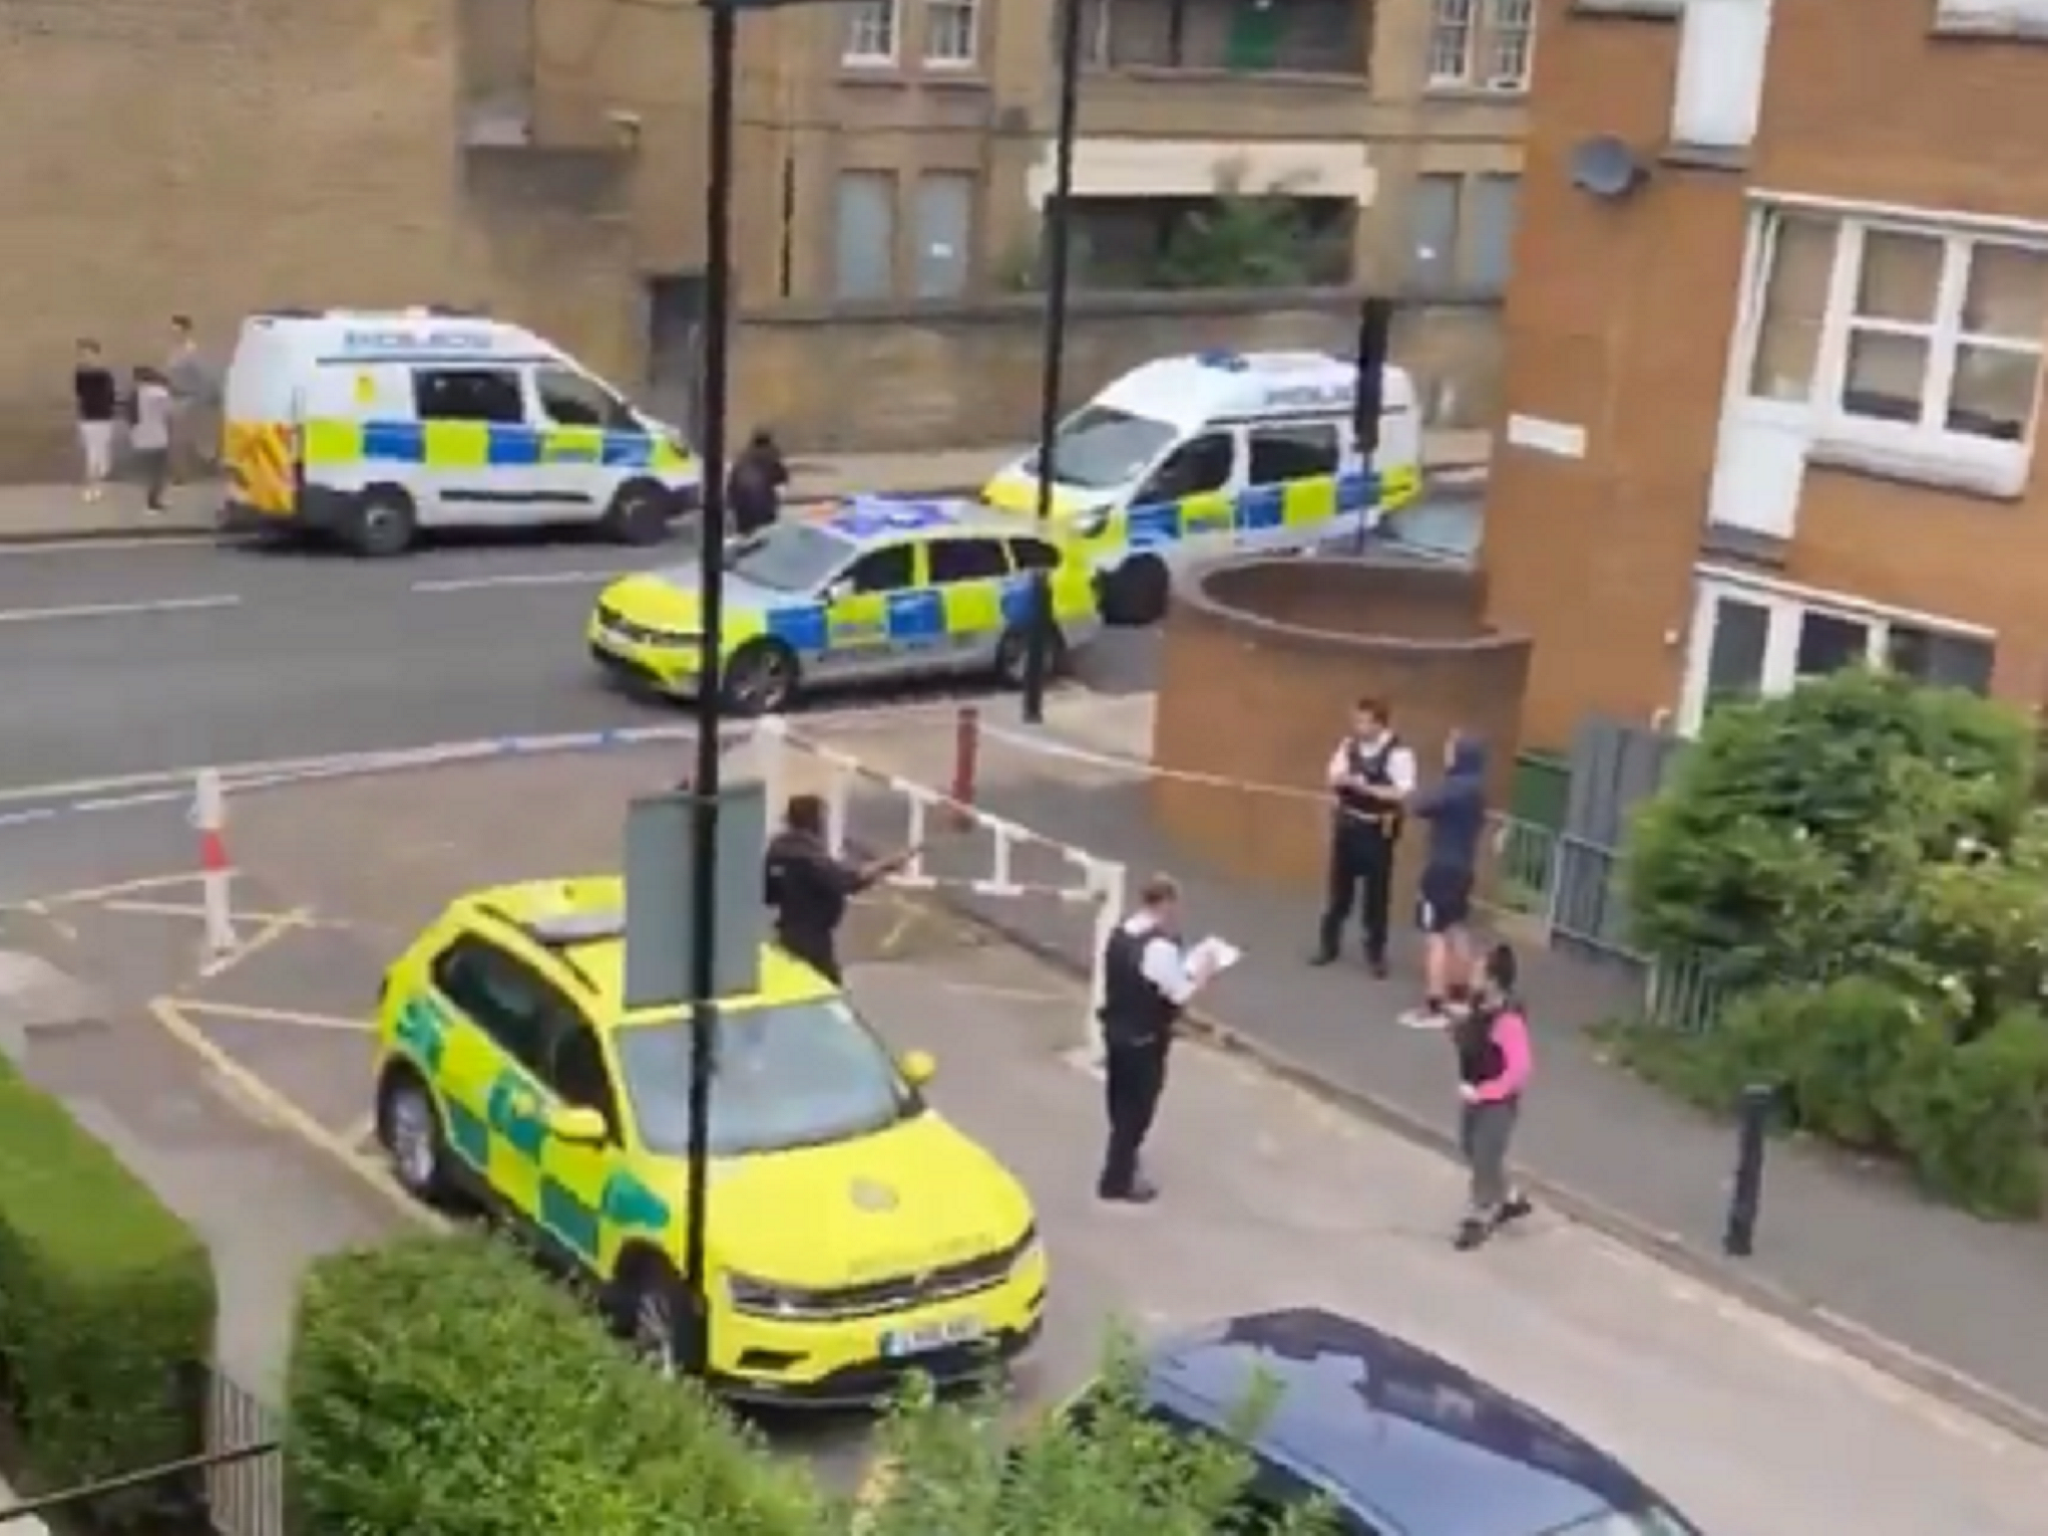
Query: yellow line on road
pixel 261 940
pixel 291 1017
pixel 198 914
pixel 281 1111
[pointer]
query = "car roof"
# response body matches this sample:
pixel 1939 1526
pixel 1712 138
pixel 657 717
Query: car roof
pixel 582 922
pixel 1410 1440
pixel 875 519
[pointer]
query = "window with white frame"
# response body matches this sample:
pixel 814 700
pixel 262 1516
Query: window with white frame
pixel 1902 345
pixel 871 27
pixel 1755 638
pixel 951 30
pixel 1481 44
pixel 1994 16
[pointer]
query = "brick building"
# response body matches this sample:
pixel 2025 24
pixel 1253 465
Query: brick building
pixel 1774 353
pixel 545 158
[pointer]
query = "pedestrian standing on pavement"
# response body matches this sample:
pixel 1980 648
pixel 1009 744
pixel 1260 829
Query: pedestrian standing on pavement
pixel 1455 811
pixel 97 399
pixel 1490 1032
pixel 753 491
pixel 1147 980
pixel 809 886
pixel 190 381
pixel 149 438
pixel 1371 775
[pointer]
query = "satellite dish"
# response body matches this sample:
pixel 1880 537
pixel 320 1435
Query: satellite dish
pixel 1606 167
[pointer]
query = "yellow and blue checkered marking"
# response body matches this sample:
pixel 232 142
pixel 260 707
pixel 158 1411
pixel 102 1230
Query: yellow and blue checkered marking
pixel 923 616
pixel 483 445
pixel 1255 510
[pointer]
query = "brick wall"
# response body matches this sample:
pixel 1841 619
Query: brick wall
pixel 907 378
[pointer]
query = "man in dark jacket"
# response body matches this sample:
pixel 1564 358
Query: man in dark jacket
pixel 809 886
pixel 1455 811
pixel 753 491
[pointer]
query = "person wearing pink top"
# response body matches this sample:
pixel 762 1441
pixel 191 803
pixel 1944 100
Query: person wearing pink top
pixel 1491 1036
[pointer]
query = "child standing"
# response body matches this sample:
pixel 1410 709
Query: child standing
pixel 150 437
pixel 1491 1035
pixel 92 388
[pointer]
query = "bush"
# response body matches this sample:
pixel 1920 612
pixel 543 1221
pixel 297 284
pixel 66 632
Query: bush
pixel 108 1305
pixel 1970 1117
pixel 441 1385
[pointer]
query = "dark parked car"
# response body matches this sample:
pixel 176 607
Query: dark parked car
pixel 1400 1441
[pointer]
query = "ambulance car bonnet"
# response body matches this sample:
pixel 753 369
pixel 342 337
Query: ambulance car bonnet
pixel 371 427
pixel 1185 458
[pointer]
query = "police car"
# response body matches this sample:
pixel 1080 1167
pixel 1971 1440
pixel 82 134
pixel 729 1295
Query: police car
pixel 849 592
pixel 368 427
pixel 1185 458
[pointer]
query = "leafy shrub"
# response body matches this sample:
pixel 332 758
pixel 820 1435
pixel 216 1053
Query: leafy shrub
pixel 440 1385
pixel 1794 837
pixel 1970 1116
pixel 106 1305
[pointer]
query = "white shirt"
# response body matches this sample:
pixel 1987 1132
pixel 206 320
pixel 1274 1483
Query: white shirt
pixel 1400 765
pixel 1161 961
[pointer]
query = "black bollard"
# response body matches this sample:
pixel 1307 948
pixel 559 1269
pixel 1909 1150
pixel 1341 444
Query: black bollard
pixel 1752 1126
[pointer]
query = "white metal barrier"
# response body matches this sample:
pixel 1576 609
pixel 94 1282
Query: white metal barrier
pixel 1099 884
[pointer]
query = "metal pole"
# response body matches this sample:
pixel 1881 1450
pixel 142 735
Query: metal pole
pixel 710 684
pixel 1746 1196
pixel 1055 347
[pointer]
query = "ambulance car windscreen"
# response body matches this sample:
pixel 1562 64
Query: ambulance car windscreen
pixel 1098 448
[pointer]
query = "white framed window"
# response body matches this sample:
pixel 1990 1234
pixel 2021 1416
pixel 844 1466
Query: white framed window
pixel 1901 344
pixel 952 33
pixel 1453 39
pixel 1723 51
pixel 1510 44
pixel 1753 637
pixel 871 32
pixel 1993 16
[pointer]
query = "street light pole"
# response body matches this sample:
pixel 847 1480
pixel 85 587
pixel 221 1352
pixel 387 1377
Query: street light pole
pixel 696 1346
pixel 1056 238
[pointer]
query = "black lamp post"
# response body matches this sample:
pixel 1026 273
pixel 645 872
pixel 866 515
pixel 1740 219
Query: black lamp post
pixel 696 1345
pixel 1056 240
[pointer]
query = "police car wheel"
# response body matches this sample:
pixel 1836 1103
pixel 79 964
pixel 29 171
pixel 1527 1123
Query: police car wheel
pixel 638 514
pixel 1136 593
pixel 761 678
pixel 381 523
pixel 409 1130
pixel 1014 653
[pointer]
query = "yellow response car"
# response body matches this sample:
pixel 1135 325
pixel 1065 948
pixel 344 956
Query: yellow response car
pixel 856 592
pixel 853 1234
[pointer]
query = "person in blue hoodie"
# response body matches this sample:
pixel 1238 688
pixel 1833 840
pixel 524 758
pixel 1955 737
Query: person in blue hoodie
pixel 1455 811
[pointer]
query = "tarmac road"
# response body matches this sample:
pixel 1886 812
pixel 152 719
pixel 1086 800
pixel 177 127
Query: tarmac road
pixel 138 658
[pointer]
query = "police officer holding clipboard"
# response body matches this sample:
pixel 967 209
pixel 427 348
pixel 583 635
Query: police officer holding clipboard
pixel 1148 978
pixel 1371 775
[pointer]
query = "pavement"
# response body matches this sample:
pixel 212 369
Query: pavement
pixel 1846 1248
pixel 239 1087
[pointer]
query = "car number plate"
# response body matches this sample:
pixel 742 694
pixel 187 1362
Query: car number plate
pixel 900 1343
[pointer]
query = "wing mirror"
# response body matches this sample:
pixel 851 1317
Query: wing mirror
pixel 578 1127
pixel 917 1067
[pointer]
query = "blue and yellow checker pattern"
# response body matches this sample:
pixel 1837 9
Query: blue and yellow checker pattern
pixel 647 624
pixel 1298 507
pixel 337 444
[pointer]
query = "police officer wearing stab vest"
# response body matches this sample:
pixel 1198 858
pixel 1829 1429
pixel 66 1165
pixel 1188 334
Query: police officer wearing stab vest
pixel 1147 981
pixel 1371 775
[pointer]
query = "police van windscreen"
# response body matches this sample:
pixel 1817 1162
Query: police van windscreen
pixel 789 557
pixel 1099 448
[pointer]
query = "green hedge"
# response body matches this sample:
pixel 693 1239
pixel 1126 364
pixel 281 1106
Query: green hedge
pixel 106 1304
pixel 440 1385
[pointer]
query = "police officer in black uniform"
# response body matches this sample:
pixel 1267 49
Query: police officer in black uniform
pixel 1147 981
pixel 1371 775
pixel 809 886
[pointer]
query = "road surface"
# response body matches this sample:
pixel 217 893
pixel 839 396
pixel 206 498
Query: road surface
pixel 127 660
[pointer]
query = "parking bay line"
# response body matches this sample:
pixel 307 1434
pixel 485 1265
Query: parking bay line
pixel 262 939
pixel 119 610
pixel 300 919
pixel 273 1106
pixel 517 579
pixel 293 1018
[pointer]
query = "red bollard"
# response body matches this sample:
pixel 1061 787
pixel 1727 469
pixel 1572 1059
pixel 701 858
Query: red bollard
pixel 966 751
